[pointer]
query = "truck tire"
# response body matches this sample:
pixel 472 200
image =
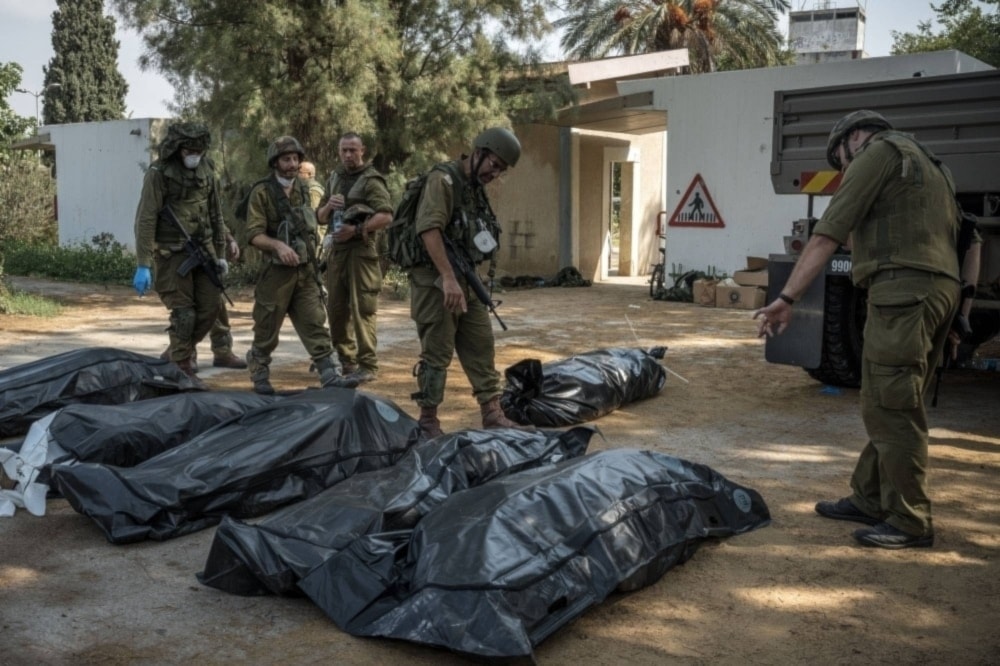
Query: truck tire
pixel 843 334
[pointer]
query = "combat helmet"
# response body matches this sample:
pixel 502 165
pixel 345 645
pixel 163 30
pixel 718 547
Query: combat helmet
pixel 844 126
pixel 193 136
pixel 357 213
pixel 501 142
pixel 282 145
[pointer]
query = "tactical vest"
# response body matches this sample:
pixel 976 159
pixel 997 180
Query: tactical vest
pixel 913 221
pixel 293 224
pixel 190 193
pixel 471 215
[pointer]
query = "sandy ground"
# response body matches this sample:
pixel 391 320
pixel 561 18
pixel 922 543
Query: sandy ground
pixel 800 590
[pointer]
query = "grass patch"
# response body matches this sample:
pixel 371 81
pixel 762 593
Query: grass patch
pixel 19 303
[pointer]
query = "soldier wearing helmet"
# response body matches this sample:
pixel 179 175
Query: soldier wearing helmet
pixel 448 315
pixel 895 208
pixel 281 223
pixel 357 194
pixel 182 181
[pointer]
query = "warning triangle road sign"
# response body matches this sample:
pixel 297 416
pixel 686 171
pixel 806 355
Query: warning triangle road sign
pixel 696 208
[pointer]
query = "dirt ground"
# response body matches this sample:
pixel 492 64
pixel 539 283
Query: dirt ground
pixel 798 591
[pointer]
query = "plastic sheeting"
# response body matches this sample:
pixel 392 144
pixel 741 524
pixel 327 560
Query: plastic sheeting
pixel 94 375
pixel 278 454
pixel 122 435
pixel 581 388
pixel 272 555
pixel 497 568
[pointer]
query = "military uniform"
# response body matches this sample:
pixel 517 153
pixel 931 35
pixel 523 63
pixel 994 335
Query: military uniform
pixel 897 208
pixel 281 289
pixel 192 195
pixel 449 204
pixel 354 273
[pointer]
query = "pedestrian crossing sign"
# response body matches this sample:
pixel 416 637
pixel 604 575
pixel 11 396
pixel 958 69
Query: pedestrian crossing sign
pixel 696 208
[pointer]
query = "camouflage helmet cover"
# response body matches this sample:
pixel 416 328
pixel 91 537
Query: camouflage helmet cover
pixel 501 142
pixel 281 146
pixel 844 126
pixel 193 136
pixel 357 213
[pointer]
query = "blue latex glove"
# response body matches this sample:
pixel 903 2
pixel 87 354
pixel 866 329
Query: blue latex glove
pixel 142 280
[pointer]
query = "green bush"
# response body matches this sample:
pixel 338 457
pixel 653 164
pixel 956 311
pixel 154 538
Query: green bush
pixel 105 260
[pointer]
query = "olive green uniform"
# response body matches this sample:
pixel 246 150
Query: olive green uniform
pixel 449 204
pixel 281 290
pixel 898 210
pixel 192 195
pixel 354 274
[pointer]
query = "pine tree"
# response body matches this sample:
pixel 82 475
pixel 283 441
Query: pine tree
pixel 82 81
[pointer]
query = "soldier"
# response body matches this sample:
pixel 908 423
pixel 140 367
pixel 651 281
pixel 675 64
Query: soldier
pixel 897 209
pixel 281 223
pixel 181 188
pixel 448 315
pixel 354 273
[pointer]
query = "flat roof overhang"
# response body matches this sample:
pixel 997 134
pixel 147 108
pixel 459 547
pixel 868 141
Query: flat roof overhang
pixel 626 114
pixel 37 142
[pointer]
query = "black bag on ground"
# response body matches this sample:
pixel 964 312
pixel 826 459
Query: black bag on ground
pixel 94 375
pixel 498 568
pixel 581 388
pixel 271 456
pixel 274 554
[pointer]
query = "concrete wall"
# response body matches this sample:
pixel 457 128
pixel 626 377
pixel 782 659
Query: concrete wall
pixel 528 205
pixel 721 127
pixel 99 172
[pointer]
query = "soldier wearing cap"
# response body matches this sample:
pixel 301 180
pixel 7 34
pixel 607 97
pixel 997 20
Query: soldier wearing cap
pixel 358 197
pixel 281 223
pixel 182 179
pixel 895 208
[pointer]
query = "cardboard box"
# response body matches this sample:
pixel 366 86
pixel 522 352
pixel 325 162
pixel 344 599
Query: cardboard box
pixel 748 278
pixel 756 263
pixel 703 292
pixel 741 298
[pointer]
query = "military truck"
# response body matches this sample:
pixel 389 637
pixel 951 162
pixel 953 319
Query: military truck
pixel 958 118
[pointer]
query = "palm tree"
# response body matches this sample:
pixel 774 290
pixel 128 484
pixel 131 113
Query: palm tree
pixel 719 34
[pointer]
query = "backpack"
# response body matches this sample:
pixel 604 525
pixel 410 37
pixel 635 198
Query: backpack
pixel 406 250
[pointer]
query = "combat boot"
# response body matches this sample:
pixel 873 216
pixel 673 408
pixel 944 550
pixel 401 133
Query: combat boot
pixel 186 367
pixel 493 416
pixel 429 423
pixel 165 356
pixel 261 379
pixel 229 360
pixel 329 375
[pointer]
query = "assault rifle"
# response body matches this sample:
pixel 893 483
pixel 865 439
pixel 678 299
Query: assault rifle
pixel 465 267
pixel 196 255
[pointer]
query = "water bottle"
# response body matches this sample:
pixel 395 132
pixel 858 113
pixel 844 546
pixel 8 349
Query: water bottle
pixel 338 220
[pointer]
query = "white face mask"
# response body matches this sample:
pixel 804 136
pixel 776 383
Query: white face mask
pixel 285 182
pixel 192 161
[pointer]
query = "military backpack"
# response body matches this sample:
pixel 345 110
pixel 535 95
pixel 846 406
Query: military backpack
pixel 405 248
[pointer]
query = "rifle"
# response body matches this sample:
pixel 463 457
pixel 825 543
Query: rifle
pixel 196 255
pixel 463 266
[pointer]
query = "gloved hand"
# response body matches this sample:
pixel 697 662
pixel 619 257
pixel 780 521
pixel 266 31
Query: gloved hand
pixel 223 267
pixel 142 280
pixel 327 242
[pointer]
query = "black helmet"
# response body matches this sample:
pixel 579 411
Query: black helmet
pixel 193 136
pixel 282 145
pixel 357 213
pixel 844 126
pixel 501 142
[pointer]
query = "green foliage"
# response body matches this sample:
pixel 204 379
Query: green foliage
pixel 415 78
pixel 104 260
pixel 27 193
pixel 82 81
pixel 726 34
pixel 16 302
pixel 395 283
pixel 966 27
pixel 12 126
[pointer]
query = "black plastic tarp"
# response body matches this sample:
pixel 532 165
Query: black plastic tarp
pixel 280 453
pixel 93 375
pixel 497 568
pixel 272 555
pixel 581 388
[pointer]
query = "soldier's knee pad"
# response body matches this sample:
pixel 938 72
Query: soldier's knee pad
pixel 182 322
pixel 431 382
